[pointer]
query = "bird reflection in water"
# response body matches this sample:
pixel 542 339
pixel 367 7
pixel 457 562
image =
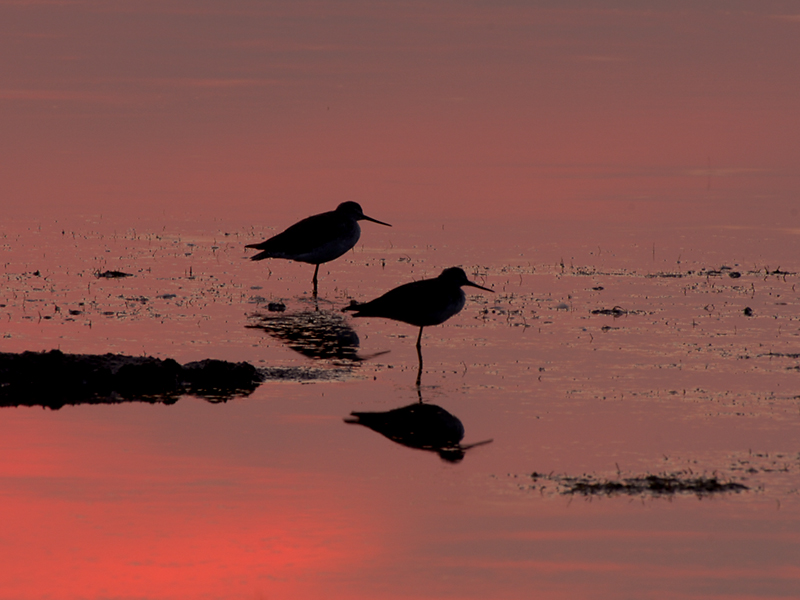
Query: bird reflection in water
pixel 421 426
pixel 317 333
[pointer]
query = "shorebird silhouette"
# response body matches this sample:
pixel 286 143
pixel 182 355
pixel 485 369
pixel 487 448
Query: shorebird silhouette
pixel 317 239
pixel 422 303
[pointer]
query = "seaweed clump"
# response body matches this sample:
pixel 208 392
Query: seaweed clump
pixel 668 484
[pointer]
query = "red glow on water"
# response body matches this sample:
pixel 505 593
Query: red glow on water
pixel 98 512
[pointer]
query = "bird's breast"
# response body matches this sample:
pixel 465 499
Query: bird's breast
pixel 448 305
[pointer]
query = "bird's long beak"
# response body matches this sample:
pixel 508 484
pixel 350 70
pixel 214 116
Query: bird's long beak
pixel 366 218
pixel 480 287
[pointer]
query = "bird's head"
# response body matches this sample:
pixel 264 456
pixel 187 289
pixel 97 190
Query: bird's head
pixel 456 276
pixel 354 211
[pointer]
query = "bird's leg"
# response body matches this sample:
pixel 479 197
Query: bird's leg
pixel 316 270
pixel 419 355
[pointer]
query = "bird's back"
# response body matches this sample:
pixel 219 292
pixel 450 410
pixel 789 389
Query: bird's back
pixel 420 303
pixel 316 239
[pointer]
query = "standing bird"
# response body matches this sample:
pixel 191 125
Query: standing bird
pixel 318 239
pixel 421 303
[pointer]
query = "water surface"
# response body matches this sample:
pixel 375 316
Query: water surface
pixel 620 362
pixel 623 175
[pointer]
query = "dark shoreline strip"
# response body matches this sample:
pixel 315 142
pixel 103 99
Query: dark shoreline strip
pixel 54 379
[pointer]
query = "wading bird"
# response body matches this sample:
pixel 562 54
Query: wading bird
pixel 317 239
pixel 422 303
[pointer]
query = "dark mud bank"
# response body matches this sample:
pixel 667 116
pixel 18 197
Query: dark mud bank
pixel 54 379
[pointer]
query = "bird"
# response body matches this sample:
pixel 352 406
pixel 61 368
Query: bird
pixel 421 303
pixel 317 239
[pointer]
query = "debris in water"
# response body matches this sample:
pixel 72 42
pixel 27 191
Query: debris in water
pixel 617 311
pixel 667 484
pixel 112 275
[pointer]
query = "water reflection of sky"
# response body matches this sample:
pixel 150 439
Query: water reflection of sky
pixel 676 378
pixel 621 159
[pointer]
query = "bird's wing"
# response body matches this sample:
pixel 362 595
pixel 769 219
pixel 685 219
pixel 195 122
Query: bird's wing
pixel 404 303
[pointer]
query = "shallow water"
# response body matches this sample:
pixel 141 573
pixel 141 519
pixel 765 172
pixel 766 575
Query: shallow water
pixel 274 494
pixel 624 175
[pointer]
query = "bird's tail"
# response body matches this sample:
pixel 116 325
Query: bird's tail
pixel 260 255
pixel 353 306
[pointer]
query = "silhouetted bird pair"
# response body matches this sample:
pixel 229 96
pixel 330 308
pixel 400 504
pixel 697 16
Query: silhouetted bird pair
pixel 327 236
